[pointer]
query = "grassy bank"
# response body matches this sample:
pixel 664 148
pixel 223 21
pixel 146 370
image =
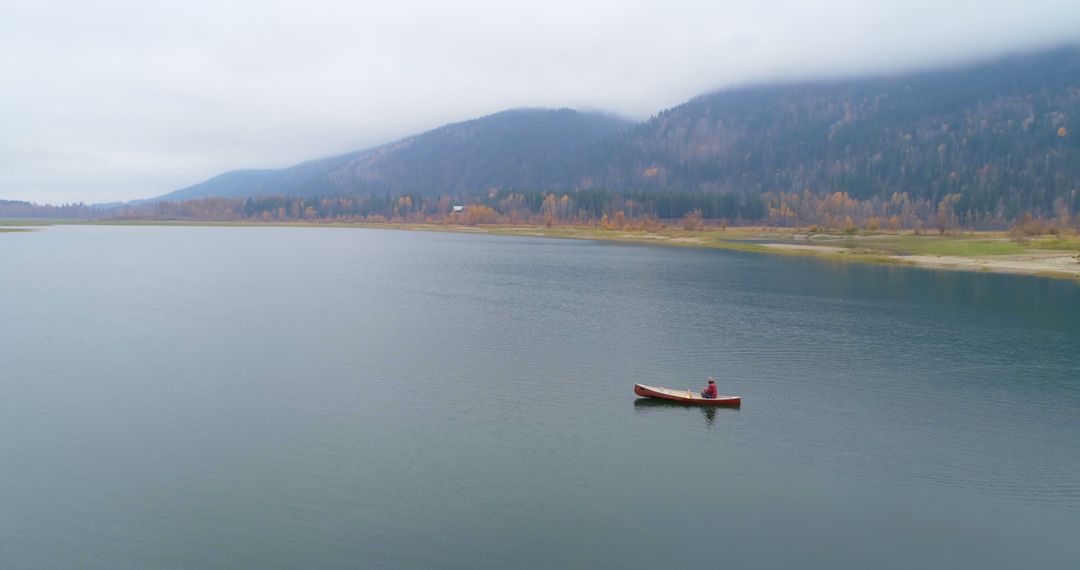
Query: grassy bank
pixel 1051 256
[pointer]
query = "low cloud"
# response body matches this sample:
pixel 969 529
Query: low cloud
pixel 116 100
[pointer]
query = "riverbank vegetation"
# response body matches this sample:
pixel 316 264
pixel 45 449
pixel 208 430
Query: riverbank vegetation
pixel 837 212
pixel 901 230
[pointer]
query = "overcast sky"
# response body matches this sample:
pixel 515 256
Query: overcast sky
pixel 117 100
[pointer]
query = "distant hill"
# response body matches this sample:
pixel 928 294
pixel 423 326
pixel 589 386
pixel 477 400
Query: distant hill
pixel 28 210
pixel 993 139
pixel 521 148
pixel 306 178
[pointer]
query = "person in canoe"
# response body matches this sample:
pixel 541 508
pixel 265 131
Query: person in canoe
pixel 710 390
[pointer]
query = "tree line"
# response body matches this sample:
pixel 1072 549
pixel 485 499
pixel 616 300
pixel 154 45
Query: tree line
pixel 836 210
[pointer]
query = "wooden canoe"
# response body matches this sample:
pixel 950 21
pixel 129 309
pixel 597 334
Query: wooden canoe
pixel 685 396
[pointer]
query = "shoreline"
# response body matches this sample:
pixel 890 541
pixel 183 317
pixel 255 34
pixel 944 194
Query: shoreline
pixel 987 252
pixel 872 248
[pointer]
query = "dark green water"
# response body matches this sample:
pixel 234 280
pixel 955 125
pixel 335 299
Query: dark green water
pixel 338 398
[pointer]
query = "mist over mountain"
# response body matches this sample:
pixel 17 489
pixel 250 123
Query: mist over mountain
pixel 996 138
pixel 520 148
pixel 1000 134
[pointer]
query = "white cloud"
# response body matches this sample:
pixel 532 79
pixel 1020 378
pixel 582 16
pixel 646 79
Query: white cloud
pixel 116 100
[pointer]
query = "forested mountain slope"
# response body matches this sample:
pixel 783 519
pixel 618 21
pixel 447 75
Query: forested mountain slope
pixel 1003 135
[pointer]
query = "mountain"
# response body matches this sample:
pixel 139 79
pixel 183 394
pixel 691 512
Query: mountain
pixel 306 178
pixel 1000 134
pixel 520 148
pixel 992 140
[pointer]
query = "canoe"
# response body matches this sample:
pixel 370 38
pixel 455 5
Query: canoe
pixel 685 396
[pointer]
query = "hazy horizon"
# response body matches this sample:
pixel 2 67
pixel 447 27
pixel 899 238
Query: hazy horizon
pixel 116 102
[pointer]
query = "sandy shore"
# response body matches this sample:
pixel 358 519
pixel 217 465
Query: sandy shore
pixel 807 248
pixel 869 249
pixel 1049 263
pixel 1029 263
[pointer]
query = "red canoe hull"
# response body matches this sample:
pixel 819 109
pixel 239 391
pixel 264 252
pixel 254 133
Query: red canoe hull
pixel 685 396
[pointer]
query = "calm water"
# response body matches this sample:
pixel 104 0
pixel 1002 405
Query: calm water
pixel 342 398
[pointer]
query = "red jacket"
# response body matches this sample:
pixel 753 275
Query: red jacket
pixel 709 391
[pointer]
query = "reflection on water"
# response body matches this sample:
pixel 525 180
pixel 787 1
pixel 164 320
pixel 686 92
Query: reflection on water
pixel 650 405
pixel 1035 301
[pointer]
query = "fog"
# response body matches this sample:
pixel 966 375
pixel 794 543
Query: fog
pixel 114 100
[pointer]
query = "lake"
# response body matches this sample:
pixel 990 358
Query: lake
pixel 239 397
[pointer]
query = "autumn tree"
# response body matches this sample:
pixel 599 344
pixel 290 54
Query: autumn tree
pixel 894 223
pixel 479 214
pixel 849 226
pixel 692 221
